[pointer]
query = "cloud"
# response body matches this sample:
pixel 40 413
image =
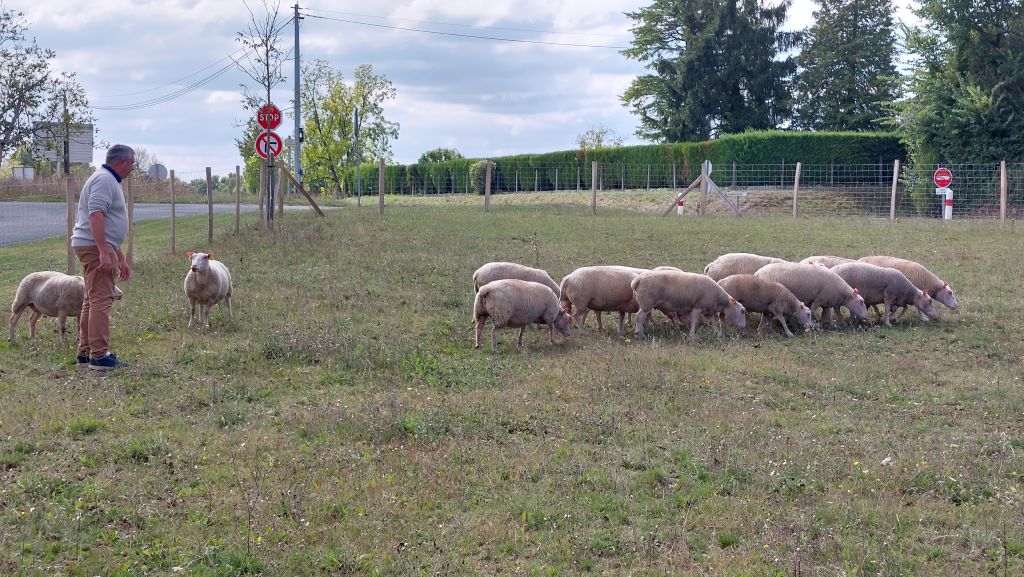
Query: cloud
pixel 223 97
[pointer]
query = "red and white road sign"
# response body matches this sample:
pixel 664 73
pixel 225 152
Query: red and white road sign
pixel 269 116
pixel 268 144
pixel 943 177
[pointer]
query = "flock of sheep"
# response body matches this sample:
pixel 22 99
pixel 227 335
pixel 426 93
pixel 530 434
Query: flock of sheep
pixel 514 296
pixel 55 294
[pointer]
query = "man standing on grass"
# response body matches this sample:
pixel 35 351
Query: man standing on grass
pixel 100 228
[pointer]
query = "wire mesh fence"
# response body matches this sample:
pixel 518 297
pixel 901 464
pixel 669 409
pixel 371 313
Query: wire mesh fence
pixel 878 190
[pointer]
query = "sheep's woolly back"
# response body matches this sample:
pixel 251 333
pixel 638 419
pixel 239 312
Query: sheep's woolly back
pixel 493 271
pixel 760 295
pixel 916 272
pixel 878 284
pixel 737 263
pixel 670 290
pixel 600 288
pixel 209 286
pixel 51 293
pixel 815 286
pixel 828 261
pixel 516 303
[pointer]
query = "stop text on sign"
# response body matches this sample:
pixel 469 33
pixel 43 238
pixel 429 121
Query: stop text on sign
pixel 269 116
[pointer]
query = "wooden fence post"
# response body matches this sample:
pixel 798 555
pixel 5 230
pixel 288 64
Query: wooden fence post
pixel 704 186
pixel 280 192
pixel 130 255
pixel 209 206
pixel 174 224
pixel 487 187
pixel 593 187
pixel 69 196
pixel 380 187
pixel 1002 191
pixel 238 197
pixel 895 183
pixel 263 183
pixel 796 186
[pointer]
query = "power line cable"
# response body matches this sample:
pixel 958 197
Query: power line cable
pixel 191 87
pixel 465 25
pixel 474 36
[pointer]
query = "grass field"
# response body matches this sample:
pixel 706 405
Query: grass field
pixel 342 423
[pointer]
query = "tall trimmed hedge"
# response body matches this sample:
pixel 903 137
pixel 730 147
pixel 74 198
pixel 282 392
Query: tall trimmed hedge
pixel 565 170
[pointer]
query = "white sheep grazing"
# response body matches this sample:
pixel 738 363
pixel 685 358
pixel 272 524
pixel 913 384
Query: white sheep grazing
pixel 888 286
pixel 737 263
pixel 515 303
pixel 683 293
pixel 828 261
pixel 207 283
pixel 493 271
pixel 816 286
pixel 53 294
pixel 599 289
pixel 759 295
pixel 922 278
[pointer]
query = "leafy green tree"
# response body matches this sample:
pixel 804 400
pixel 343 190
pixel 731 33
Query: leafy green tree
pixel 847 78
pixel 246 145
pixel 439 155
pixel 967 83
pixel 329 104
pixel 31 91
pixel 716 68
pixel 598 137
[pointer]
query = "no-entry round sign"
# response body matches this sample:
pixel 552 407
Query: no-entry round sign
pixel 269 116
pixel 943 177
pixel 268 144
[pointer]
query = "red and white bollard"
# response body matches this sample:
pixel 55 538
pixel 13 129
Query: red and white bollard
pixel 681 207
pixel 947 202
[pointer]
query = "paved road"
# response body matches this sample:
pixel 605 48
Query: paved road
pixel 27 221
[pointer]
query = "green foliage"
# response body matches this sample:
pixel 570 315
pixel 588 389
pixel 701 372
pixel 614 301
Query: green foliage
pixel 571 169
pixel 438 155
pixel 966 84
pixel 34 91
pixel 715 68
pixel 330 148
pixel 848 78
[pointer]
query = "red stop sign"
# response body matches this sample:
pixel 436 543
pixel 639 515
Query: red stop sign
pixel 943 177
pixel 269 116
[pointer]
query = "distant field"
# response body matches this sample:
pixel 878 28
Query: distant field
pixel 343 424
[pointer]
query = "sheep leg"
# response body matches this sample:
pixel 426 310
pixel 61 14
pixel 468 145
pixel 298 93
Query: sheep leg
pixel 62 322
pixel 480 320
pixel 760 325
pixel 227 301
pixel 638 323
pixel 622 323
pixel 494 337
pixel 522 330
pixel 14 321
pixel 903 311
pixel 191 312
pixel 580 318
pixel 551 332
pixel 32 322
pixel 600 327
pixel 782 321
pixel 694 317
pixel 204 314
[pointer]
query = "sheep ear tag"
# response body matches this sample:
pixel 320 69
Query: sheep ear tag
pixel 856 292
pixel 189 253
pixel 732 301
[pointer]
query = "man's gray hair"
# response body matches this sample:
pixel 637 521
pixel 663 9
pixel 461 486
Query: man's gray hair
pixel 118 152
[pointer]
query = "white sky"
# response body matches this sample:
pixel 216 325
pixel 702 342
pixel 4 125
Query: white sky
pixel 482 97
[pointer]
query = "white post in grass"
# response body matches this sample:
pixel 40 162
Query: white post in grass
pixel 796 187
pixel 895 183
